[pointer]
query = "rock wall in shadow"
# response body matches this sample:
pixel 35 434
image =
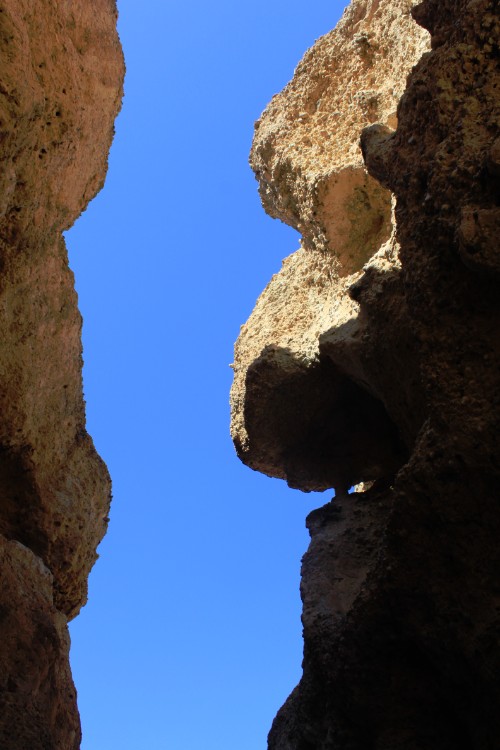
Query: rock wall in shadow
pixel 401 357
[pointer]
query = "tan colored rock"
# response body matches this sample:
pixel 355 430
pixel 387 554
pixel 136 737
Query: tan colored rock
pixel 61 75
pixel 61 85
pixel 307 159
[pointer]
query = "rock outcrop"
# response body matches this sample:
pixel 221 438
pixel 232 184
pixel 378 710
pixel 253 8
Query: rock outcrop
pixel 60 90
pixel 373 357
pixel 305 326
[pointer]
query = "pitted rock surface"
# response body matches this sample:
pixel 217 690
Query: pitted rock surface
pixel 389 376
pixel 306 153
pixel 37 695
pixel 60 90
pixel 306 146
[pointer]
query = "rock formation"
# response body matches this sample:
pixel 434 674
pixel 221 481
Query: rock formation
pixel 373 358
pixel 305 327
pixel 60 90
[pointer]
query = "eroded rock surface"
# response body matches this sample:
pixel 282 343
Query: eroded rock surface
pixel 306 153
pixel 37 696
pixel 60 90
pixel 306 326
pixel 400 583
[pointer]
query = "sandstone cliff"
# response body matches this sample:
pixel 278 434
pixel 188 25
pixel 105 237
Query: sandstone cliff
pixel 373 357
pixel 60 90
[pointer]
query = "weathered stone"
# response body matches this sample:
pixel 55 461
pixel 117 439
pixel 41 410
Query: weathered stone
pixel 479 235
pixel 400 583
pixel 306 147
pixel 307 159
pixel 60 90
pixel 37 696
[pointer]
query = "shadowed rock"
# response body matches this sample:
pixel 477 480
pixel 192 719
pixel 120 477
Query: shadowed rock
pixel 400 582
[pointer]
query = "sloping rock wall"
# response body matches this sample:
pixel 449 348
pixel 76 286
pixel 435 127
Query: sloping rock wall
pixel 387 373
pixel 61 74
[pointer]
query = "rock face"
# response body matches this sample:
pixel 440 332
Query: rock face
pixel 386 371
pixel 60 90
pixel 306 326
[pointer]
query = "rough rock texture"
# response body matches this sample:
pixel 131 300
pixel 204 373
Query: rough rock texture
pixel 400 583
pixel 61 73
pixel 305 327
pixel 306 152
pixel 37 696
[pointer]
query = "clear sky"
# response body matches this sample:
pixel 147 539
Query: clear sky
pixel 191 639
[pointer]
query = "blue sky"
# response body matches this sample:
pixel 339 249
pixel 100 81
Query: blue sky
pixel 191 639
